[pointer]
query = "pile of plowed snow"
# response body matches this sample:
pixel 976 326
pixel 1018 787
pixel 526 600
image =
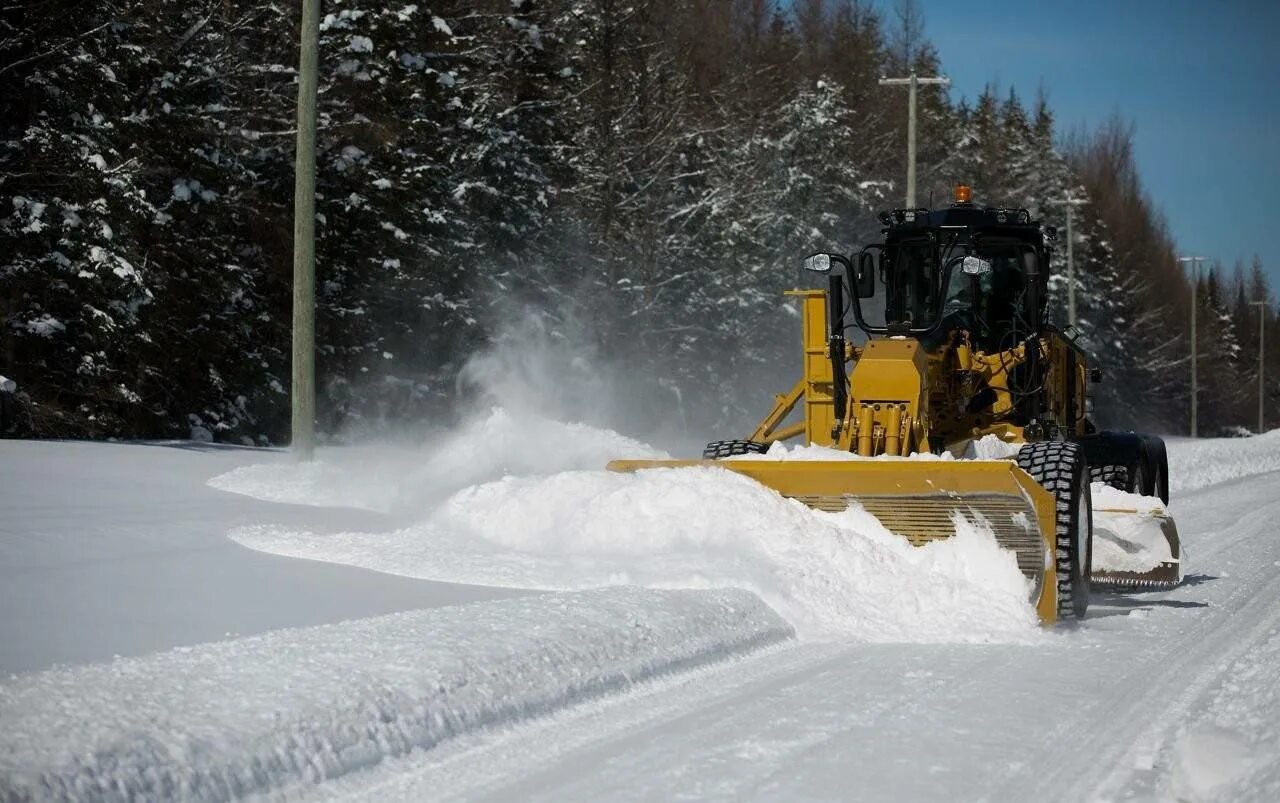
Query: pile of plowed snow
pixel 401 479
pixel 323 483
pixel 1199 463
pixel 223 720
pixel 829 574
pixel 988 447
pixel 1128 541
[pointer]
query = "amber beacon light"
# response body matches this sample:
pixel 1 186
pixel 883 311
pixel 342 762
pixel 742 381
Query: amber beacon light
pixel 964 194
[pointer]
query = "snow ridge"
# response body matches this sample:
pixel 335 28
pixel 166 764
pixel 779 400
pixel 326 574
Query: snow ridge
pixel 388 479
pixel 222 720
pixel 1199 463
pixel 520 501
pixel 831 575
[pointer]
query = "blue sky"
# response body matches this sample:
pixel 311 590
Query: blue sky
pixel 1200 80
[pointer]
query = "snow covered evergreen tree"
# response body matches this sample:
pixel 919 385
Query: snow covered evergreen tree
pixel 646 175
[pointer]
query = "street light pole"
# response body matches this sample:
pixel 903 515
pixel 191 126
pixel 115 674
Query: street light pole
pixel 912 82
pixel 1195 283
pixel 1262 331
pixel 1071 262
pixel 303 386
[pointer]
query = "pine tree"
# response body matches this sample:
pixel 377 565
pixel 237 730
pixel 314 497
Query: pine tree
pixel 644 175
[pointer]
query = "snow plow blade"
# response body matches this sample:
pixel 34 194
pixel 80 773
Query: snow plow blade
pixel 918 500
pixel 1129 553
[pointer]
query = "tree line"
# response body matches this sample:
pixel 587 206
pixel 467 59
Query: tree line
pixel 637 180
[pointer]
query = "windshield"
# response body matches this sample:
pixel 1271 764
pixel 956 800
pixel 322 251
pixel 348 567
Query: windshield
pixel 907 289
pixel 987 303
pixel 913 286
pixel 923 287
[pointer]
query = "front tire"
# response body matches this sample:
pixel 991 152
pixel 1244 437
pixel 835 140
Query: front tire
pixel 1059 467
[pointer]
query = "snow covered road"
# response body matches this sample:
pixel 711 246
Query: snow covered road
pixel 915 674
pixel 1157 696
pixel 223 720
pixel 120 549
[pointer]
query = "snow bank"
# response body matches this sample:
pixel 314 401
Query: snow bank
pixel 406 478
pixel 521 501
pixel 505 443
pixel 323 483
pixel 222 720
pixel 1199 463
pixel 830 574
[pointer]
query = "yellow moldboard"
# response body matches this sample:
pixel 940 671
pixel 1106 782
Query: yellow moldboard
pixel 917 499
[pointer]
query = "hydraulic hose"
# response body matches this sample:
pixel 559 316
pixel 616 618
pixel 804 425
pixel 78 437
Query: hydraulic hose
pixel 836 349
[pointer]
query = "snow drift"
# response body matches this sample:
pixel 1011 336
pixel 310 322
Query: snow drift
pixel 390 479
pixel 223 720
pixel 534 526
pixel 1203 462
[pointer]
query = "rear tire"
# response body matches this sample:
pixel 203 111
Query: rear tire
pixel 1121 460
pixel 1158 459
pixel 1059 467
pixel 718 449
pixel 1113 474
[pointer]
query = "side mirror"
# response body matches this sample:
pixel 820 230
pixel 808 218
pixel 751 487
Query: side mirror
pixel 865 281
pixel 822 262
pixel 818 263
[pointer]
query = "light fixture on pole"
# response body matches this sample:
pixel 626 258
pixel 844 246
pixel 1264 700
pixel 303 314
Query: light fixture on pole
pixel 303 386
pixel 1195 283
pixel 912 82
pixel 1071 262
pixel 1262 332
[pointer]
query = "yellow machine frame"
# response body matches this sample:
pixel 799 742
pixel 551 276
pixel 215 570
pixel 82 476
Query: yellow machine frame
pixel 894 385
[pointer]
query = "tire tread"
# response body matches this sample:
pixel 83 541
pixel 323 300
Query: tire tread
pixel 1055 466
pixel 715 450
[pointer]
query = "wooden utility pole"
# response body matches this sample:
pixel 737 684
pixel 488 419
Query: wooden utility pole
pixel 1195 376
pixel 1262 350
pixel 1071 259
pixel 304 241
pixel 912 82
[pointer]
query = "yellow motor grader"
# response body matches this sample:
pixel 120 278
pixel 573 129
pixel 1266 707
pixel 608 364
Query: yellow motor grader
pixel 953 346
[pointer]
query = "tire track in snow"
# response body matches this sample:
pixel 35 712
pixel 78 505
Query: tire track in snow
pixel 1062 721
pixel 1120 730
